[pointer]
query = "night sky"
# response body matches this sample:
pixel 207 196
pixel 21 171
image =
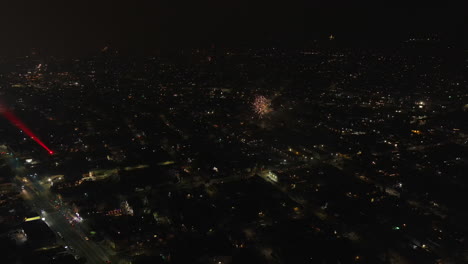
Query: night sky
pixel 76 27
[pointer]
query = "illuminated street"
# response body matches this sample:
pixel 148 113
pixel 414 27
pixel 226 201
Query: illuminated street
pixel 40 198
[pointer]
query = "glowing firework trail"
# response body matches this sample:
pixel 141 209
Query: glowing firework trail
pixel 19 124
pixel 262 105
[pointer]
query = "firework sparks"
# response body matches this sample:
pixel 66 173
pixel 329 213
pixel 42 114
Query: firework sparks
pixel 261 106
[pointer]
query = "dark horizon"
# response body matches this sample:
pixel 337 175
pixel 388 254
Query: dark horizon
pixel 80 28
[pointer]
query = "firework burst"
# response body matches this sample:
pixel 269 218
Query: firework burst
pixel 261 105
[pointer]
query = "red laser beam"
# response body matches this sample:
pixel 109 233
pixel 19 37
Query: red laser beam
pixel 19 124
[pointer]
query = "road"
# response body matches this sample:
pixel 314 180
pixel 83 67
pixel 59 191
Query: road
pixel 40 198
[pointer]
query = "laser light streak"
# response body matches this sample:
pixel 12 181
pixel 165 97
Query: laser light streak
pixel 19 124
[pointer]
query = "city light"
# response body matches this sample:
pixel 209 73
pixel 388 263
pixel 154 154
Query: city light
pixel 32 218
pixel 262 154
